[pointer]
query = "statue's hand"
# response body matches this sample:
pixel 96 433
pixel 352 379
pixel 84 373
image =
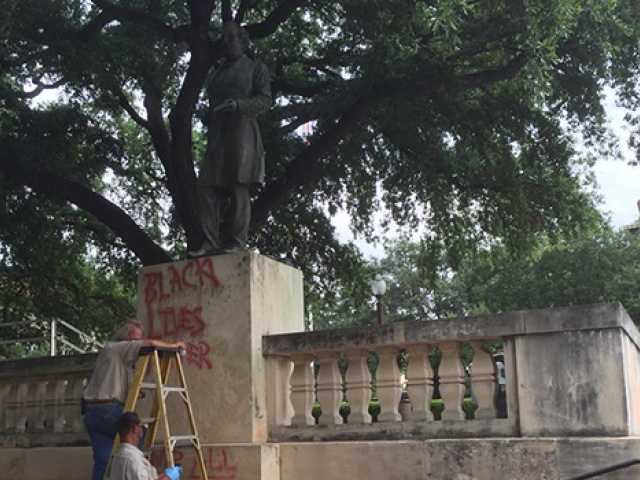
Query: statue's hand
pixel 228 105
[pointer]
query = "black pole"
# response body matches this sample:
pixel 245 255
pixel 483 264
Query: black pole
pixel 610 468
pixel 380 322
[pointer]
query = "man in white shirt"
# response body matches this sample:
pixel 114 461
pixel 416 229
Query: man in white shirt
pixel 129 463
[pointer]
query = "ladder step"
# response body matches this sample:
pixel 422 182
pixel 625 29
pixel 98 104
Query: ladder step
pixel 179 438
pixel 152 386
pixel 174 389
pixel 190 438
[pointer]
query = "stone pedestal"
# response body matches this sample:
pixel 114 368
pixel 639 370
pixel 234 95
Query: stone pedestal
pixel 222 306
pixel 577 371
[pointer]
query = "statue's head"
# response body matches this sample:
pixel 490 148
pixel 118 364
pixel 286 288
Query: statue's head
pixel 235 40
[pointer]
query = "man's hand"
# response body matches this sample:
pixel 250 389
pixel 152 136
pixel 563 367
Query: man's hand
pixel 152 342
pixel 228 105
pixel 174 472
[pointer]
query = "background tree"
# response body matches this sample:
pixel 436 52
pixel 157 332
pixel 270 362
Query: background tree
pixel 600 266
pixel 46 267
pixel 456 115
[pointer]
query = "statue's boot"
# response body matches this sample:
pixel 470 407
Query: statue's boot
pixel 206 250
pixel 234 249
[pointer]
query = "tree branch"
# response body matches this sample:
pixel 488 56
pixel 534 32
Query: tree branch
pixel 56 187
pixel 288 88
pixel 40 87
pixel 126 14
pixel 92 28
pixel 133 113
pixel 225 10
pixel 276 18
pixel 507 71
pixel 244 7
pixel 298 114
pixel 302 168
pixel 182 172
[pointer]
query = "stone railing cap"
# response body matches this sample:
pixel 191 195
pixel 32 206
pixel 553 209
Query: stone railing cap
pixel 511 324
pixel 47 366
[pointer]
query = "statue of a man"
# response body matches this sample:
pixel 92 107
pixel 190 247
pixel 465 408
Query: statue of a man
pixel 239 90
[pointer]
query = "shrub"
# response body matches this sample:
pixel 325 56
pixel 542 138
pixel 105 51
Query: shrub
pixel 374 409
pixel 437 407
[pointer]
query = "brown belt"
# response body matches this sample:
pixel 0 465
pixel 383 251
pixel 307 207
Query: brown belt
pixel 102 403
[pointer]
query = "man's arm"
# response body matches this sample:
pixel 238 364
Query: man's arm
pixel 159 343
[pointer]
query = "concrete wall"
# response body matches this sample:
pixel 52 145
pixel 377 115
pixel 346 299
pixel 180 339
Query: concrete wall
pixel 632 376
pixel 572 383
pixel 477 459
pixel 573 372
pixel 472 459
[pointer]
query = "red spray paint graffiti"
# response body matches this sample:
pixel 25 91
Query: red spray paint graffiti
pixel 198 355
pixel 195 274
pixel 216 464
pixel 166 322
pixel 172 322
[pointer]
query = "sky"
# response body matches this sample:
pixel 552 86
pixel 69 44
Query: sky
pixel 619 182
pixel 620 187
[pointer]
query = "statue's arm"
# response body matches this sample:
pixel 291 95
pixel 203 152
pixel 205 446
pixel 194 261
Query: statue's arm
pixel 208 112
pixel 261 100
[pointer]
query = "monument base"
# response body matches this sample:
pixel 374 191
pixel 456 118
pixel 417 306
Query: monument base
pixel 221 307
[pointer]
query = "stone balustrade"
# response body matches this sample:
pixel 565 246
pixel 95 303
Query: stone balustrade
pixel 569 371
pixel 40 400
pixel 293 357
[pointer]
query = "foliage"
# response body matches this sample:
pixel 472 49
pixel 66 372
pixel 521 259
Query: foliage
pixel 62 286
pixel 437 407
pixel 18 350
pixel 416 289
pixel 457 116
pixel 45 271
pixel 599 266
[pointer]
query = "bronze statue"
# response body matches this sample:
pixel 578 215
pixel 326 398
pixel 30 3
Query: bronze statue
pixel 239 90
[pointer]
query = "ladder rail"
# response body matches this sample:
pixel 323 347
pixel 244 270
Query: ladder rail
pixel 130 405
pixel 158 362
pixel 161 370
pixel 194 429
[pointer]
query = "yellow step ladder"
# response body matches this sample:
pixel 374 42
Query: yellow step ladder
pixel 158 362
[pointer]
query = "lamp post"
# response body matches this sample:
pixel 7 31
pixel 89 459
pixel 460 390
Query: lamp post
pixel 378 288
